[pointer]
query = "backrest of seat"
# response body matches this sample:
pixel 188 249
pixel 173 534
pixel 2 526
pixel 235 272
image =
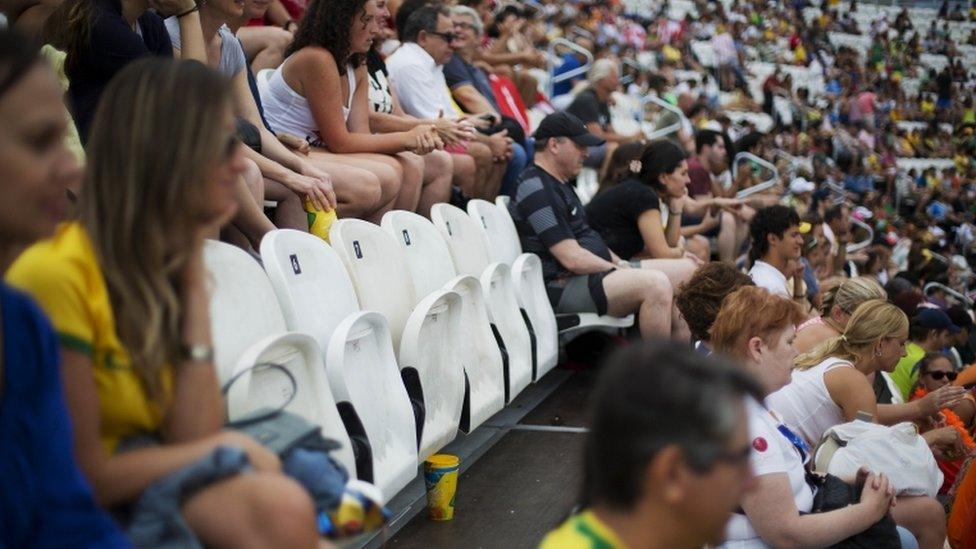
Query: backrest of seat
pixel 427 255
pixel 467 242
pixel 378 270
pixel 243 305
pixel 311 282
pixel 362 371
pixel 503 244
pixel 502 203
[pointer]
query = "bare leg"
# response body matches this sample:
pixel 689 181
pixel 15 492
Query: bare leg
pixel 924 517
pixel 264 46
pixel 250 221
pixel 677 270
pixel 413 176
pixel 699 246
pixel 438 166
pixel 289 213
pixel 464 172
pixel 644 291
pixel 253 510
pixel 727 235
pixel 385 168
pixel 484 170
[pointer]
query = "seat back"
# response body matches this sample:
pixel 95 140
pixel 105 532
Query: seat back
pixel 249 329
pixel 504 310
pixel 432 269
pixel 377 267
pixel 318 296
pixel 428 257
pixel 311 283
pixel 467 242
pixel 243 305
pixel 499 229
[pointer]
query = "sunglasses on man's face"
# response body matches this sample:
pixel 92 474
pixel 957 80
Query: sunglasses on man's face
pixel 951 376
pixel 446 36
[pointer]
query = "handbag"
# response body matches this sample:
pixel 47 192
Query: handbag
pixel 833 493
pixel 897 451
pixel 303 450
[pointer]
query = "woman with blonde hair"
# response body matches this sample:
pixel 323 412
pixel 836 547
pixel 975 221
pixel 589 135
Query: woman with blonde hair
pixel 839 299
pixel 757 329
pixel 126 290
pixel 832 385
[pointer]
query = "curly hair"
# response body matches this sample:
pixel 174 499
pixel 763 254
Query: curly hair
pixel 327 24
pixel 700 297
pixel 747 313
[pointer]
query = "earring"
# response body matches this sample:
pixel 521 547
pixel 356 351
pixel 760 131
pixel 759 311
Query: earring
pixel 877 352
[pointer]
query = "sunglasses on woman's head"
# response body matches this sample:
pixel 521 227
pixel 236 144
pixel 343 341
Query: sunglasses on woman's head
pixel 951 376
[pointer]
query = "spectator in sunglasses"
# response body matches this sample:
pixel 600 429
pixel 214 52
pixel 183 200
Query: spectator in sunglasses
pixel 934 372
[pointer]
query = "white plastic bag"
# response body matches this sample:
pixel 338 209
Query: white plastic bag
pixel 897 451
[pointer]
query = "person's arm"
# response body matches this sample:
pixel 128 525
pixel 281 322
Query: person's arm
pixel 927 406
pixel 277 14
pixel 610 135
pixel 772 512
pixel 657 240
pixel 578 259
pixel 192 45
pixel 471 100
pixel 317 77
pixel 316 187
pixel 852 392
pixel 529 57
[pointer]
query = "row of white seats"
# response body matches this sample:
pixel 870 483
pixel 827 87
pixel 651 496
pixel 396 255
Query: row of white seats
pixel 424 327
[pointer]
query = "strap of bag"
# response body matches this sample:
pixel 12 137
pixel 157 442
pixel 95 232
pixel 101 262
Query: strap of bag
pixel 264 413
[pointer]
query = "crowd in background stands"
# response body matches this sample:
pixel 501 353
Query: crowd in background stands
pixel 798 192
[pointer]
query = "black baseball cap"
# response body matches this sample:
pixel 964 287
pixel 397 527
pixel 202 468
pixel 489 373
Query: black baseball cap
pixel 564 124
pixel 934 319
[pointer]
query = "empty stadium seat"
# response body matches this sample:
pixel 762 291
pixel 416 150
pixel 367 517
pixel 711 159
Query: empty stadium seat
pixel 249 329
pixel 469 250
pixel 526 270
pixel 425 329
pixel 317 297
pixel 431 268
pixel 571 324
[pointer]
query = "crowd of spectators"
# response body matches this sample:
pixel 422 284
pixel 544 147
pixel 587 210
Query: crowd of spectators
pixel 785 184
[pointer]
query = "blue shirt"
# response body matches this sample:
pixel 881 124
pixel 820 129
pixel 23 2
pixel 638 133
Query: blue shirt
pixel 44 500
pixel 570 62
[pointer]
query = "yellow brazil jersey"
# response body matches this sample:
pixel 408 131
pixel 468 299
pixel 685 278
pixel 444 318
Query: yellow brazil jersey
pixel 582 531
pixel 63 275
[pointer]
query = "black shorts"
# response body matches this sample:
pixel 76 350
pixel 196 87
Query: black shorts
pixel 579 294
pixel 689 220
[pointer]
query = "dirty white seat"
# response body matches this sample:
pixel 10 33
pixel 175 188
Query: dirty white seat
pixel 248 329
pixel 503 243
pixel 424 328
pixel 317 297
pixel 469 250
pixel 569 324
pixel 431 269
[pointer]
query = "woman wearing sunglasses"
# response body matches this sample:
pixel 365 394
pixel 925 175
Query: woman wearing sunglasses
pixel 758 328
pixel 833 384
pixel 126 290
pixel 935 371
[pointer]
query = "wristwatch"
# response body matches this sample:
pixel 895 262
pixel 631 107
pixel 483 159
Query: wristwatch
pixel 197 353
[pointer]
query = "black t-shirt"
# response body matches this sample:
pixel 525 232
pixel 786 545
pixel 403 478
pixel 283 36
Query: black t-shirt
pixel 588 108
pixel 943 83
pixel 614 212
pixel 112 46
pixel 546 212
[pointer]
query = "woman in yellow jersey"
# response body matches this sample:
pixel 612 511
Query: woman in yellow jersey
pixel 665 468
pixel 125 288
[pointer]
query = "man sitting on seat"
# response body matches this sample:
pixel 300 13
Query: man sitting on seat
pixel 582 275
pixel 777 240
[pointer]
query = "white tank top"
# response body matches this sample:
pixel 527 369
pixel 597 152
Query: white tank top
pixel 805 404
pixel 287 112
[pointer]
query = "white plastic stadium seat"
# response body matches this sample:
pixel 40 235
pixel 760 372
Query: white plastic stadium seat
pixel 469 249
pixel 248 329
pixel 431 268
pixel 571 324
pixel 317 297
pixel 424 328
pixel 503 242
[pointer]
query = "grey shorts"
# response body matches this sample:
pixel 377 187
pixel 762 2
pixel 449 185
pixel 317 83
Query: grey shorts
pixel 582 293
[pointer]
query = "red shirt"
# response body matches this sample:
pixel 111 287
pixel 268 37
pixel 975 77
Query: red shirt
pixel 701 180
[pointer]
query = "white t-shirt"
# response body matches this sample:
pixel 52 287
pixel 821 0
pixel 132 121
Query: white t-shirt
pixel 805 403
pixel 769 277
pixel 419 83
pixel 772 453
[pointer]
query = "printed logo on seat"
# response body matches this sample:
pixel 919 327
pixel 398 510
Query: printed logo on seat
pixel 294 264
pixel 406 237
pixel 357 249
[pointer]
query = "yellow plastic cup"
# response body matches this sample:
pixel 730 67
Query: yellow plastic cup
pixel 319 221
pixel 441 477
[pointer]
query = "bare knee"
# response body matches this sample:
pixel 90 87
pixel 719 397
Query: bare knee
pixel 360 195
pixel 437 164
pixel 655 287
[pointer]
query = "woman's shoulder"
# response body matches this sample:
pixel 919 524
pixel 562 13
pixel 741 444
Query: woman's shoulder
pixel 53 266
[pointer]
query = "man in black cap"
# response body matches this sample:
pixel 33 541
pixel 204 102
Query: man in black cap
pixel 582 275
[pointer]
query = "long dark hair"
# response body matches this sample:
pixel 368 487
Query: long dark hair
pixel 75 18
pixel 660 158
pixel 621 161
pixel 327 24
